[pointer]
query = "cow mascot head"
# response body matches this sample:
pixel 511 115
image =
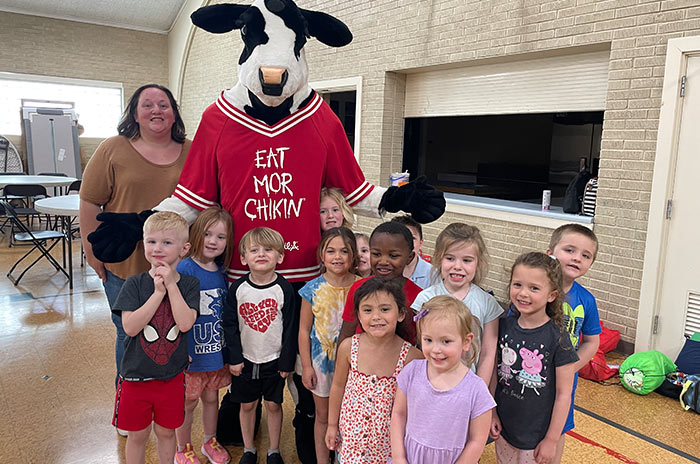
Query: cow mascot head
pixel 269 136
pixel 272 70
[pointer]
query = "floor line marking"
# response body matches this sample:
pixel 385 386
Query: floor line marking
pixel 613 453
pixel 639 435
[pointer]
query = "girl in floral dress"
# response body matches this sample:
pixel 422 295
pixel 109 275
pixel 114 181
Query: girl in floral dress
pixel 364 383
pixel 323 300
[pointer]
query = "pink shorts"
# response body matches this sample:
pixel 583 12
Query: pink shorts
pixel 137 404
pixel 196 382
pixel 509 454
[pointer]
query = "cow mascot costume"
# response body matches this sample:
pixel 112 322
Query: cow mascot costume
pixel 264 150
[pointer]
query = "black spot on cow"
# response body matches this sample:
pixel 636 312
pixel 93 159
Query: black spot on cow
pixel 252 31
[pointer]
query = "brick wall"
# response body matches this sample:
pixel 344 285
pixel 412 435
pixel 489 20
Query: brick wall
pixel 51 47
pixel 392 36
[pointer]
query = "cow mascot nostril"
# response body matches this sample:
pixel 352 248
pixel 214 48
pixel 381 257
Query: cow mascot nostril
pixel 265 149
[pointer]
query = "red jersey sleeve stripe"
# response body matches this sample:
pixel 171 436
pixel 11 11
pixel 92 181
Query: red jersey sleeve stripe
pixel 192 199
pixel 359 193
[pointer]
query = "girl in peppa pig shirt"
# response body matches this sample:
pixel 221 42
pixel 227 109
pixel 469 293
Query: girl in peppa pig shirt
pixel 535 366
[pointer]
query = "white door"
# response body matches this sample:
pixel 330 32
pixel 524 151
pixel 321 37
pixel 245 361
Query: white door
pixel 679 302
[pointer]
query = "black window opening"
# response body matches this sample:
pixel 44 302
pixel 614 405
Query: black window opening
pixel 343 105
pixel 510 157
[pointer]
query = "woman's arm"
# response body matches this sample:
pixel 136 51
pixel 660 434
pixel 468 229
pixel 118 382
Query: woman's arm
pixel 88 224
pixel 306 320
pixel 487 353
pixel 476 438
pixel 545 450
pixel 340 378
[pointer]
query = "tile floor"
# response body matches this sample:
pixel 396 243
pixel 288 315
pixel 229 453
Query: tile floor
pixel 57 371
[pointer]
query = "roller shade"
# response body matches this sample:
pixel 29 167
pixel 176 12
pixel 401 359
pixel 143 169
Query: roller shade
pixel 544 85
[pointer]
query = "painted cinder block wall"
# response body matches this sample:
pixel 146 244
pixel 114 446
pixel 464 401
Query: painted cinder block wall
pixel 394 36
pixel 53 47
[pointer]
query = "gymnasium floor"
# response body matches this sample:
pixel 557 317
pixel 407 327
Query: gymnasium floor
pixel 57 371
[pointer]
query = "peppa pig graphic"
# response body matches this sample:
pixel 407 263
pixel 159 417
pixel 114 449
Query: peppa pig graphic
pixel 529 376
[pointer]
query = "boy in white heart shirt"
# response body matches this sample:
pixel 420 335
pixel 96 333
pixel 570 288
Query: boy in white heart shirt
pixel 259 324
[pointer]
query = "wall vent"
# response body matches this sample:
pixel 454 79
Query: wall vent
pixel 692 315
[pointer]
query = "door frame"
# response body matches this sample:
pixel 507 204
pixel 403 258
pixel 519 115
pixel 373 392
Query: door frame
pixel 678 51
pixel 345 84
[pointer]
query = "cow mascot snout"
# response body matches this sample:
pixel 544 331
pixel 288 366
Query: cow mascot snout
pixel 267 146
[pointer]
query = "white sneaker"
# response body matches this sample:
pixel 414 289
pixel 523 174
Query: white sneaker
pixel 123 433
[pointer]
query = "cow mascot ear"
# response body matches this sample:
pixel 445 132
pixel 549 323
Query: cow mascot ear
pixel 219 19
pixel 327 29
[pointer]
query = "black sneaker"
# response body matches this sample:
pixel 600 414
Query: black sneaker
pixel 249 458
pixel 274 458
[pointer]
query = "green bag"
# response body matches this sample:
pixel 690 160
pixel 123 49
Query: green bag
pixel 642 373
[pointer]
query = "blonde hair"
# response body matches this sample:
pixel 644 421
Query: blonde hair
pixel 552 269
pixel 448 307
pixel 337 196
pixel 263 236
pixel 207 219
pixel 573 229
pixel 166 220
pixel 457 233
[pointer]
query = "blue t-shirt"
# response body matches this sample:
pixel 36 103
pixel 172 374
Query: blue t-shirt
pixel 580 318
pixel 205 339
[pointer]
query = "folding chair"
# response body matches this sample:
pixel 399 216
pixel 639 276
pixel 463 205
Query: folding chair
pixel 56 190
pixel 38 238
pixel 26 194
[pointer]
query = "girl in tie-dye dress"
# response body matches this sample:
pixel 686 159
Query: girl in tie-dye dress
pixel 323 300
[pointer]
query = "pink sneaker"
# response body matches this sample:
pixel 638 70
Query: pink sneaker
pixel 216 453
pixel 186 456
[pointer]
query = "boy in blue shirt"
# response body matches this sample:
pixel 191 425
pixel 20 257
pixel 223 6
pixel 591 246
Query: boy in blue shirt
pixel 575 247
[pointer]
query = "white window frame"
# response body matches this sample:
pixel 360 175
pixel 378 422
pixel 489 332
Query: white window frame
pixel 348 84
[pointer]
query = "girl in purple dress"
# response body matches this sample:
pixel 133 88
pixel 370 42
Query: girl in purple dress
pixel 442 409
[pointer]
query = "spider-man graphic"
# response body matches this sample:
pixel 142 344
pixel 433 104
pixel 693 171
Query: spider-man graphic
pixel 160 338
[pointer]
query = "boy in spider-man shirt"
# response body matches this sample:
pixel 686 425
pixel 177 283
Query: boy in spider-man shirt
pixel 157 307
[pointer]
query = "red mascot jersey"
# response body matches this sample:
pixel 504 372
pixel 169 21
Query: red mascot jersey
pixel 272 176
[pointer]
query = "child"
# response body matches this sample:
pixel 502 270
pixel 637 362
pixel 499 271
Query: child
pixel 364 383
pixel 442 409
pixel 335 211
pixel 418 270
pixel 391 249
pixel 259 324
pixel 364 268
pixel 206 374
pixel 157 308
pixel 461 261
pixel 575 247
pixel 323 299
pixel 533 404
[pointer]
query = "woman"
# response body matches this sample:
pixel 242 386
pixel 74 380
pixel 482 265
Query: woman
pixel 133 171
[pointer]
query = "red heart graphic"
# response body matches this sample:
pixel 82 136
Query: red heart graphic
pixel 259 317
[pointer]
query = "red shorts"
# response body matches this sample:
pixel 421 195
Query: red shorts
pixel 198 381
pixel 137 404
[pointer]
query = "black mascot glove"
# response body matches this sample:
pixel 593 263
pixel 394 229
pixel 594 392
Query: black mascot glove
pixel 116 237
pixel 424 202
